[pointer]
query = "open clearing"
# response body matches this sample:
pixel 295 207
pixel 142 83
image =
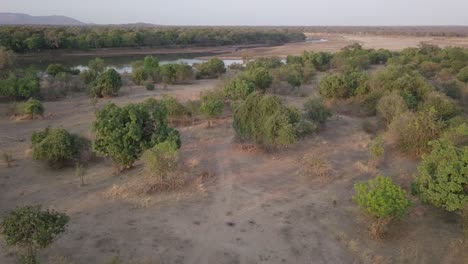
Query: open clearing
pixel 252 206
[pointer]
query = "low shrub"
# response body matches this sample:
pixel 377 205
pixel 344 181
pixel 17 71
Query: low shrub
pixel 56 69
pixel 463 75
pixel 452 89
pixel 265 120
pixel 20 86
pixel 7 159
pixel 30 108
pixel 316 111
pixel 391 106
pixel 340 86
pixel 376 150
pixel 333 86
pixel 238 89
pixel 56 146
pixel 382 199
pixel 443 177
pixel 413 131
pixel 175 73
pixel 150 86
pixel 139 75
pixel 213 68
pixel 161 162
pixel 316 166
pixel 211 107
pixel 107 84
pixel 443 107
pixel 175 109
pixel 260 76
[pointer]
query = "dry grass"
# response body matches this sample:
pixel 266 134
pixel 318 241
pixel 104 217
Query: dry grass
pixel 316 167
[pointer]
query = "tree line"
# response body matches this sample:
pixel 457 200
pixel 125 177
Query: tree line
pixel 35 38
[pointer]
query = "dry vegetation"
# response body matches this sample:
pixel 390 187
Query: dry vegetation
pixel 278 176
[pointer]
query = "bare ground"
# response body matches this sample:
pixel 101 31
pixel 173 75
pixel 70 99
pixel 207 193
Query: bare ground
pixel 256 207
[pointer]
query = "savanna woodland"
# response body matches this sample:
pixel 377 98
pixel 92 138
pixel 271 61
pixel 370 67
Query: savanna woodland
pixel 354 155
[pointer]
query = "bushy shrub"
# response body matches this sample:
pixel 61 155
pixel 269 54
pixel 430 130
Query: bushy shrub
pixel 260 76
pixel 452 89
pixel 238 89
pixel 339 85
pixel 265 63
pixel 333 86
pixel 161 161
pixel 443 176
pixel 316 111
pixel 376 150
pixel 150 86
pixel 213 68
pixel 443 107
pixel 429 68
pixel 463 75
pixel 382 199
pixel 16 86
pixel 56 69
pixel 265 120
pixel 175 73
pixel 95 68
pixel 31 107
pixel 391 106
pixel 211 106
pixel 56 146
pixel 139 75
pixel 107 84
pixel 175 109
pixel 293 74
pixel 31 229
pixel 7 58
pixel 123 133
pixel 142 70
pixel 409 84
pixel 413 131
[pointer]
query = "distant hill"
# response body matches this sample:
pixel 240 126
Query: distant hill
pixel 24 19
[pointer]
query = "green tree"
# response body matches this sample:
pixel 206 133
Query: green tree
pixel 123 133
pixel 31 229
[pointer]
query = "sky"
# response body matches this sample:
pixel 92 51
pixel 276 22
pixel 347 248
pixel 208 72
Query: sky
pixel 251 12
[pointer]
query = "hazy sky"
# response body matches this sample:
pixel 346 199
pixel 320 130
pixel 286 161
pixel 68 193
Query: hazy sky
pixel 251 12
